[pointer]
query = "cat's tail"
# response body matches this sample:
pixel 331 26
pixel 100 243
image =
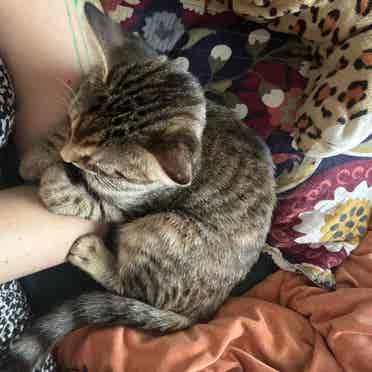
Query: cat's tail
pixel 97 308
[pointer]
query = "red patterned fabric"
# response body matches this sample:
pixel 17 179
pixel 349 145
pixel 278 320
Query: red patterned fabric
pixel 324 205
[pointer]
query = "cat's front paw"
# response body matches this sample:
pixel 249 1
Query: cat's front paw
pixel 63 197
pixel 89 254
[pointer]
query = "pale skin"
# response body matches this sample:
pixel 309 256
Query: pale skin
pixel 40 51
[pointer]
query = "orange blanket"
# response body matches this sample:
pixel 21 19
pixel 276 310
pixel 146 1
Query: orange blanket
pixel 283 324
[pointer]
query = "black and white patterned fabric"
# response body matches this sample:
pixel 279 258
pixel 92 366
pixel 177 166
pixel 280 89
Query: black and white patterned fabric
pixel 14 307
pixel 14 312
pixel 7 101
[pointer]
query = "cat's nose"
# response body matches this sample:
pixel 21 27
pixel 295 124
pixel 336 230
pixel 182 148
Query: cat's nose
pixel 68 154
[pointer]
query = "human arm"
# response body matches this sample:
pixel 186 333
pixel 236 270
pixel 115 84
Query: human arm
pixel 37 44
pixel 45 47
pixel 31 238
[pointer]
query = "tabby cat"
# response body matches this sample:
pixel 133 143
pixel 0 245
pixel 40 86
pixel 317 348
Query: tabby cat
pixel 188 189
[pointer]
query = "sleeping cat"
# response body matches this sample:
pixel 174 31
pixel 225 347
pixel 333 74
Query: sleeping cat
pixel 188 189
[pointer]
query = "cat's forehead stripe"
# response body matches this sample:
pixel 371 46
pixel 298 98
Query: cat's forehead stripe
pixel 139 99
pixel 134 75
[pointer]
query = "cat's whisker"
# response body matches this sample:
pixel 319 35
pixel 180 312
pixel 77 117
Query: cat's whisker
pixel 66 99
pixel 63 101
pixel 72 93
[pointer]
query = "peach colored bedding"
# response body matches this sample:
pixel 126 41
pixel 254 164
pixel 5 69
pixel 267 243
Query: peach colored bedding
pixel 282 324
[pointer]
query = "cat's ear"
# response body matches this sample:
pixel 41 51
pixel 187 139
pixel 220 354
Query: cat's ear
pixel 114 43
pixel 175 159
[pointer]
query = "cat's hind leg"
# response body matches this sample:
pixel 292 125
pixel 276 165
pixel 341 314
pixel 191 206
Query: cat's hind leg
pixel 90 254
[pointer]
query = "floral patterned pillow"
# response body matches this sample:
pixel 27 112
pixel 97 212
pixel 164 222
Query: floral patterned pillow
pixel 324 204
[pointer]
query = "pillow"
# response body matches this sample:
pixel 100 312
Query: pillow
pixel 324 203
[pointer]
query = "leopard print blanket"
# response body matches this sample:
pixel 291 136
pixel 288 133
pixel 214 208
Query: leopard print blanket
pixel 336 114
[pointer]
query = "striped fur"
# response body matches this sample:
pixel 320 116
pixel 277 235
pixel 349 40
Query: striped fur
pixel 190 191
